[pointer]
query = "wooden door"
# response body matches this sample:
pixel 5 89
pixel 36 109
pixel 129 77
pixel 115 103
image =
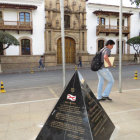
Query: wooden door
pixel 69 51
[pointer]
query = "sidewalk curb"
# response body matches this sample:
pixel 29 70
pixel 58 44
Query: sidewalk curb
pixel 56 68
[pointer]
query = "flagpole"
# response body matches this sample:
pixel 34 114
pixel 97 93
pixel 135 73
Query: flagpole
pixel 63 41
pixel 120 48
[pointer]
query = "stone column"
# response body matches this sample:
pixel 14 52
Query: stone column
pixel 46 40
pixel 80 20
pixel 84 18
pixel 57 5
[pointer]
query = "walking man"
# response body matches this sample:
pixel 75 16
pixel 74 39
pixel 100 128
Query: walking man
pixel 80 62
pixel 41 63
pixel 105 74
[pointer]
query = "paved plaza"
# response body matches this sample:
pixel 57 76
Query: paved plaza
pixel 28 103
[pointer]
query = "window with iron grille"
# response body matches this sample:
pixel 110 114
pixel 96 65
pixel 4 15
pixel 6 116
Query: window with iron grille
pixel 67 21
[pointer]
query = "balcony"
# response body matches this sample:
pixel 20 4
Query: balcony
pixel 16 25
pixel 111 30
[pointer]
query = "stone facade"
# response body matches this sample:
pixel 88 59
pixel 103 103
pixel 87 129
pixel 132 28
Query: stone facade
pixel 75 29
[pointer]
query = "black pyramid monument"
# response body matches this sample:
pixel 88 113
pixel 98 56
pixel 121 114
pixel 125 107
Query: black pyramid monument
pixel 77 115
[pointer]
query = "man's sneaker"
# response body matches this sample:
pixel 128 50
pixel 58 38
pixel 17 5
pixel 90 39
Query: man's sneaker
pixel 107 98
pixel 102 99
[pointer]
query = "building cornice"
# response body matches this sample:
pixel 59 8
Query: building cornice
pixel 18 6
pixel 113 6
pixel 108 13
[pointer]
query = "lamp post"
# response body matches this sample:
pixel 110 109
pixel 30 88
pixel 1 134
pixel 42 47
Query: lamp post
pixel 63 41
pixel 120 48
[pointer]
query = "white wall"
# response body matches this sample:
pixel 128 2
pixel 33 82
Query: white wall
pixel 92 23
pixel 38 46
pixel 38 30
pixel 22 1
pixel 126 3
pixel 135 28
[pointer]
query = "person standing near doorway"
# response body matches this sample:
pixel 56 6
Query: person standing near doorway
pixel 105 74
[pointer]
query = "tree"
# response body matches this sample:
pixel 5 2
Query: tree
pixel 135 42
pixel 7 40
pixel 137 2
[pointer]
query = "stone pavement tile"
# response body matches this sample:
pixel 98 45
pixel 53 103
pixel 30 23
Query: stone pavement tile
pixel 122 102
pixel 18 124
pixel 131 136
pixel 38 118
pixel 15 109
pixel 4 118
pixel 4 126
pixel 42 106
pixel 19 134
pixel 19 116
pixel 125 117
pixel 26 95
pixel 127 125
pixel 2 135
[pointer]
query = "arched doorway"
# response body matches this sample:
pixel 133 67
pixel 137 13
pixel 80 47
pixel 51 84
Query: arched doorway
pixel 69 51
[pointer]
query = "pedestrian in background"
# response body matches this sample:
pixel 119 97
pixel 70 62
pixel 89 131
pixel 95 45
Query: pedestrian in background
pixel 105 74
pixel 135 57
pixel 41 63
pixel 80 62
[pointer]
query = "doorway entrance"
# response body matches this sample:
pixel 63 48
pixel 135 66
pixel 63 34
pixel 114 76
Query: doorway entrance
pixel 69 51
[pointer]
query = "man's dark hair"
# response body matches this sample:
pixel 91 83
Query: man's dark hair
pixel 109 42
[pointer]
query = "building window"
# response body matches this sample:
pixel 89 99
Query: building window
pixel 1 49
pixel 24 17
pixel 0 16
pixel 67 21
pixel 25 47
pixel 102 21
pixel 98 19
pixel 100 44
pixel 118 22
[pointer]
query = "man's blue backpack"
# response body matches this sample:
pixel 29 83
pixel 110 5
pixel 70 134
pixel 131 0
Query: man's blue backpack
pixel 96 62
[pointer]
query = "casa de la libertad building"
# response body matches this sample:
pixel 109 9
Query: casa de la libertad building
pixel 75 32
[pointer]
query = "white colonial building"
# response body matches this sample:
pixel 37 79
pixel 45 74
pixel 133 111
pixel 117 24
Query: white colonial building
pixel 36 24
pixel 103 24
pixel 25 20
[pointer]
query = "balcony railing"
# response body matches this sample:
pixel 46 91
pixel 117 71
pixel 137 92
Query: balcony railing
pixel 111 29
pixel 16 25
